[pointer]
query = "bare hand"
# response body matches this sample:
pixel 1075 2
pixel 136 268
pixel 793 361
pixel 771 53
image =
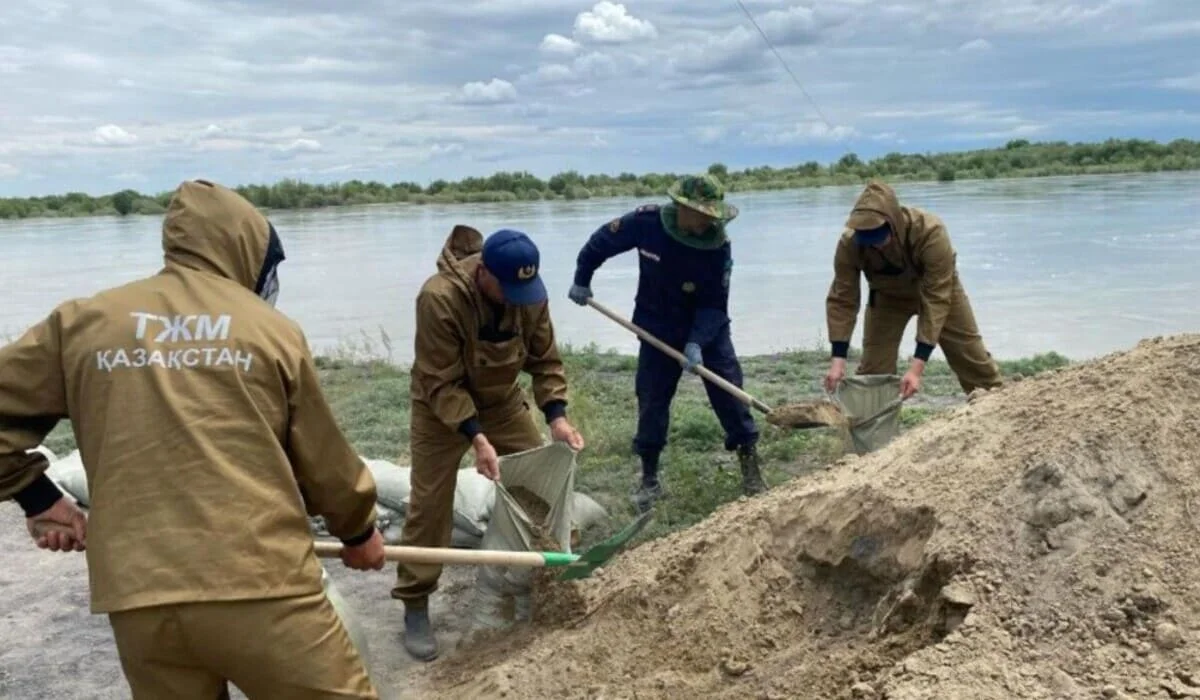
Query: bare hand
pixel 911 382
pixel 837 372
pixel 60 528
pixel 562 431
pixel 365 556
pixel 487 462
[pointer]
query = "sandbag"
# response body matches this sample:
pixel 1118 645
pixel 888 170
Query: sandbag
pixel 863 396
pixel 546 473
pixel 67 472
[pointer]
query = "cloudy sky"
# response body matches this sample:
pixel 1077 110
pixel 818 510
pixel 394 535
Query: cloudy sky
pixel 99 95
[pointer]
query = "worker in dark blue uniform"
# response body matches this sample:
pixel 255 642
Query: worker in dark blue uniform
pixel 682 299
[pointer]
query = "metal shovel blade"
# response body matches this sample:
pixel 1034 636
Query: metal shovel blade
pixel 598 555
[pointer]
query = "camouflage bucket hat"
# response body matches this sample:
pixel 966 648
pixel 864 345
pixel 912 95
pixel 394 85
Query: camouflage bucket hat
pixel 705 194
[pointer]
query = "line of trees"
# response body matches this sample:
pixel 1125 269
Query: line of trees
pixel 1018 158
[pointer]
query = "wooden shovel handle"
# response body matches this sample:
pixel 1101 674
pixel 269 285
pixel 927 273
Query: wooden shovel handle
pixel 700 369
pixel 415 555
pixel 442 555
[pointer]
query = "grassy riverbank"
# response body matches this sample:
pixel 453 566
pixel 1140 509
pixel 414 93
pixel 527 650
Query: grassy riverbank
pixel 370 399
pixel 1019 158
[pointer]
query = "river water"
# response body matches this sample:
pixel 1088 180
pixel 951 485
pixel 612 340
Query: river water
pixel 1080 265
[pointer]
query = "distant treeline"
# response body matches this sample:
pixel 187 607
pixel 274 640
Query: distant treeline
pixel 1018 158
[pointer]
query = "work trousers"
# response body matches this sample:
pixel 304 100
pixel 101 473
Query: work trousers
pixel 437 454
pixel 290 648
pixel 960 341
pixel 657 379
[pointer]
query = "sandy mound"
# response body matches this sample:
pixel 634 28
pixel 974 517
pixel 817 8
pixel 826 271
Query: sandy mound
pixel 1038 542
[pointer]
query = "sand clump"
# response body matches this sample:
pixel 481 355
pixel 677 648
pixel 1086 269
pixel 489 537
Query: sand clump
pixel 552 602
pixel 1038 542
pixel 812 414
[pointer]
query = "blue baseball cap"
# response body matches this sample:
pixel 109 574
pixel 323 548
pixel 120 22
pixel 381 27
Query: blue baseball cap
pixel 513 258
pixel 872 236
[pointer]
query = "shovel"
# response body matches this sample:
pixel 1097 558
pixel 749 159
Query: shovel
pixel 575 566
pixel 822 413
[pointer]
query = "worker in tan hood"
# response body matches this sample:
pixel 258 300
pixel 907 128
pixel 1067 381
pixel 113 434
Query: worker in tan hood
pixel 206 443
pixel 482 319
pixel 910 266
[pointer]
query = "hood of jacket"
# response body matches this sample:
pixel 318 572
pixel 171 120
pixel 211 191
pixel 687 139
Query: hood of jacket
pixel 214 229
pixel 878 204
pixel 460 257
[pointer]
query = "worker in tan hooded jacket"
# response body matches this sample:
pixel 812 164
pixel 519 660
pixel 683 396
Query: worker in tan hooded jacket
pixel 910 266
pixel 481 320
pixel 206 441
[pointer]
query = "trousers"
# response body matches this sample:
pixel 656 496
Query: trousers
pixel 437 455
pixel 960 340
pixel 657 379
pixel 275 648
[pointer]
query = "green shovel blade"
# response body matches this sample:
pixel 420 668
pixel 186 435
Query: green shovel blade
pixel 582 566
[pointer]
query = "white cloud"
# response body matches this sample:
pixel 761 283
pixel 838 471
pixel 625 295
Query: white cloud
pixel 7 170
pixel 799 133
pixel 976 45
pixel 610 23
pixel 493 92
pixel 301 146
pixel 558 44
pixel 113 135
pixel 1189 83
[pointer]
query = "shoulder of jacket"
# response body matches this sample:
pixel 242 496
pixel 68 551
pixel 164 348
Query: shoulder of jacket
pixel 922 222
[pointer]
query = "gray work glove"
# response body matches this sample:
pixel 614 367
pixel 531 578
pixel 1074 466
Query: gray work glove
pixel 692 352
pixel 580 295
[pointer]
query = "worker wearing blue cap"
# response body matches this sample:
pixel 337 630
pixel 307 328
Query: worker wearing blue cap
pixel 911 270
pixel 481 320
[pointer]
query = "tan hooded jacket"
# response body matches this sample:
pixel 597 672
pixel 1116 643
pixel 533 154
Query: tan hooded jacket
pixel 468 361
pixel 199 417
pixel 921 260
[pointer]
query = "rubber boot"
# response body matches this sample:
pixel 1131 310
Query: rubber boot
pixel 647 495
pixel 752 481
pixel 418 634
pixel 650 490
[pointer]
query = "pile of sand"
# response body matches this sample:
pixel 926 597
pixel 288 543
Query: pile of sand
pixel 1038 542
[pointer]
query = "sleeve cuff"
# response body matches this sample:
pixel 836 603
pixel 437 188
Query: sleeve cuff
pixel 583 278
pixel 470 427
pixel 359 539
pixel 37 497
pixel 924 350
pixel 841 348
pixel 554 410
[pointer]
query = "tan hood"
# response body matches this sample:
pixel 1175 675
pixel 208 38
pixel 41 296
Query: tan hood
pixel 214 229
pixel 878 203
pixel 464 242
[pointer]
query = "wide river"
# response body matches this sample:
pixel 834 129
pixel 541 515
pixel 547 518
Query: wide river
pixel 1080 265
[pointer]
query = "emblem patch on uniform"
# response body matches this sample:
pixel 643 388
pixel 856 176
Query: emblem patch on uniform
pixel 614 225
pixel 689 287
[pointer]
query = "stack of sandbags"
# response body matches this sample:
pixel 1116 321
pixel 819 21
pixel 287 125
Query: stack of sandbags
pixel 474 499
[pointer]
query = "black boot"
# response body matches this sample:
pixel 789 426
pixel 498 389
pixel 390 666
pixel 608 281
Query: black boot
pixel 651 490
pixel 418 634
pixel 752 481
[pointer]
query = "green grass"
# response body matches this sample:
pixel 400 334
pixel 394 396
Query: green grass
pixel 370 396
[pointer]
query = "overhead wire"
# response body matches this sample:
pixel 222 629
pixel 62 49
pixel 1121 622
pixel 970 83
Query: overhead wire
pixel 786 67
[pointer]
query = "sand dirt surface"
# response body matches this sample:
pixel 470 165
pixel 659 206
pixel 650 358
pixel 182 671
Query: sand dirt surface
pixel 1040 541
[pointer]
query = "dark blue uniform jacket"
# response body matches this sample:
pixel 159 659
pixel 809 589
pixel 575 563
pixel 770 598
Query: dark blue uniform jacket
pixel 683 292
